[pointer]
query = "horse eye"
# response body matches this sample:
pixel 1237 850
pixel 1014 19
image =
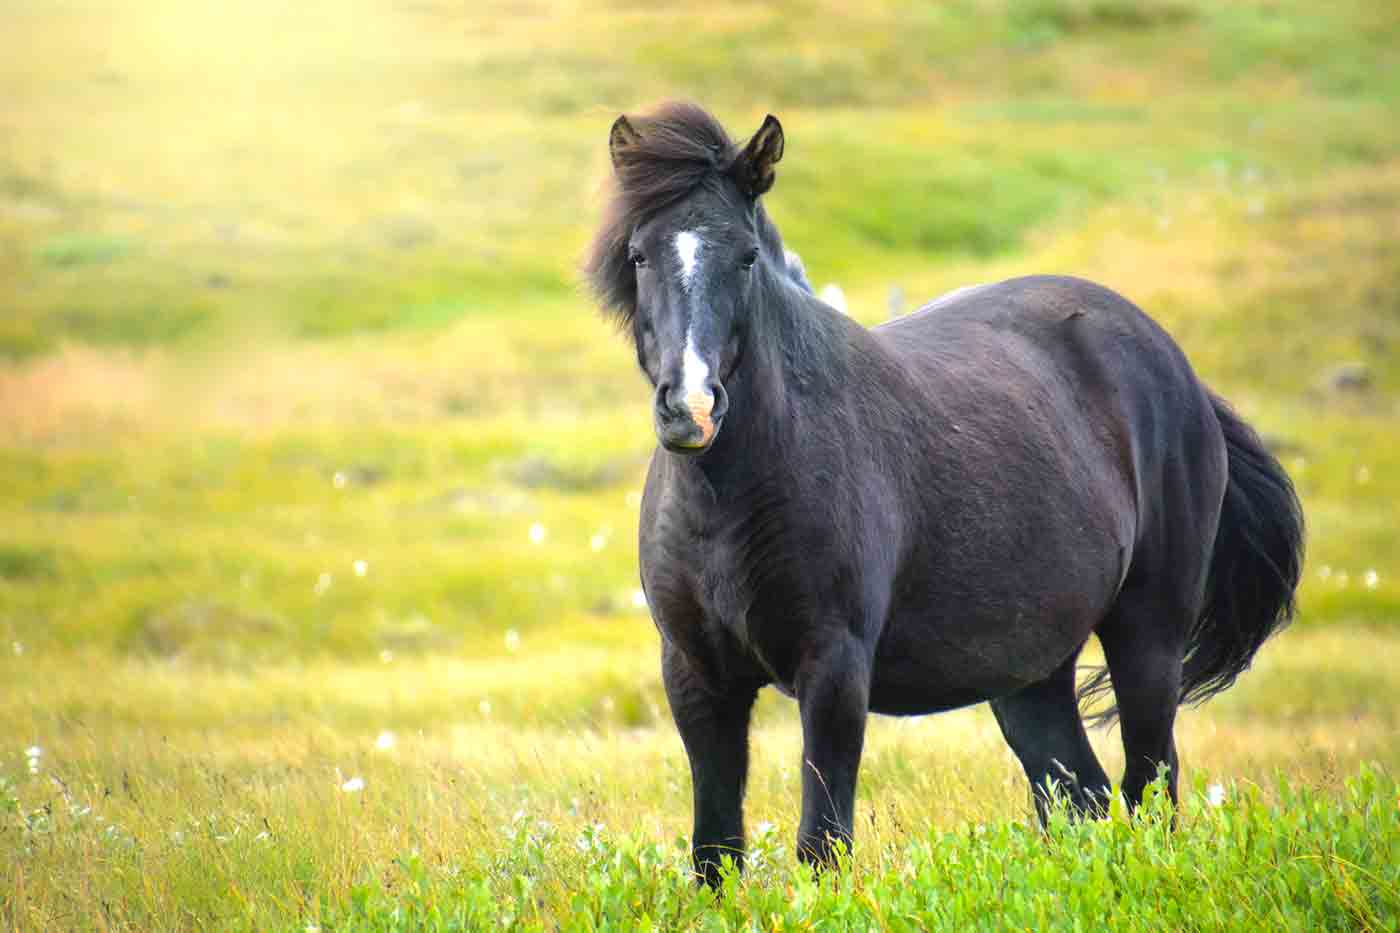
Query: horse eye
pixel 749 259
pixel 636 258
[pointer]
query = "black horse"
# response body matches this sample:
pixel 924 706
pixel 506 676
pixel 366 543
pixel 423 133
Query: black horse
pixel 924 515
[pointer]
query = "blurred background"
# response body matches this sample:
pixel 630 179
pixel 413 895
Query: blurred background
pixel 310 435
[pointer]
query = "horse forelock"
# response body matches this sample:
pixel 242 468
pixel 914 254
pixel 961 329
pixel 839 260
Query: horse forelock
pixel 678 146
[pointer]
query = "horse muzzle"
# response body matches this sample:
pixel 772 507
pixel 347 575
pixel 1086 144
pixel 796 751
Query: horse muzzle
pixel 689 423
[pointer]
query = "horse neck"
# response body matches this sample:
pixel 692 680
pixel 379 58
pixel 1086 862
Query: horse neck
pixel 787 359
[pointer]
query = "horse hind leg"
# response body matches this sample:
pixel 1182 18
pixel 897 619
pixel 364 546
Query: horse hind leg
pixel 1143 642
pixel 1041 723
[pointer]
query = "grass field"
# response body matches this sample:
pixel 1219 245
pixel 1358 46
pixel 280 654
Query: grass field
pixel 319 475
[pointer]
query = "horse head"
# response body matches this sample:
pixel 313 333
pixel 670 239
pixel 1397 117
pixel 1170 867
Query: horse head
pixel 681 256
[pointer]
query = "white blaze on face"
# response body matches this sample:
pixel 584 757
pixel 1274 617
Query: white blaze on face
pixel 688 251
pixel 698 397
pixel 695 374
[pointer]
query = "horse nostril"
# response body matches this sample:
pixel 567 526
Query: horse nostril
pixel 721 400
pixel 663 397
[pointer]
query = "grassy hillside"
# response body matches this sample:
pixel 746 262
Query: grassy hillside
pixel 308 432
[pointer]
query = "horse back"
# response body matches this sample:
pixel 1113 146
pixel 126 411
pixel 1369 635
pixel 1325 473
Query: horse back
pixel 1062 364
pixel 1058 432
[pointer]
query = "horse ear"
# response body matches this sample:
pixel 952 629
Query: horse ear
pixel 621 137
pixel 754 167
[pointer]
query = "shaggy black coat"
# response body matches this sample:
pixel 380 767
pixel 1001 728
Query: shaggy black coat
pixel 931 513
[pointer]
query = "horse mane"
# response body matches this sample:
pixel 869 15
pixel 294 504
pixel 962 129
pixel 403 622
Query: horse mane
pixel 680 145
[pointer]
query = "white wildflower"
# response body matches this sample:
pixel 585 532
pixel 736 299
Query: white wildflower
pixel 598 541
pixel 538 533
pixel 1215 794
pixel 361 567
pixel 484 707
pixel 354 785
pixel 1373 579
pixel 512 640
pixel 386 741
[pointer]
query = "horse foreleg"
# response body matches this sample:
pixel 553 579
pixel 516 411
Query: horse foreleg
pixel 714 728
pixel 833 692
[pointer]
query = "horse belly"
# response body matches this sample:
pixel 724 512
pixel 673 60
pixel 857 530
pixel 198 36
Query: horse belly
pixel 917 682
pixel 903 699
pixel 968 650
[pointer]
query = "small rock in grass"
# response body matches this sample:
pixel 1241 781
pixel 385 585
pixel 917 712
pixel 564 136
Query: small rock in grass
pixel 1349 377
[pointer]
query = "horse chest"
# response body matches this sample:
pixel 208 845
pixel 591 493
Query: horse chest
pixel 730 596
pixel 753 611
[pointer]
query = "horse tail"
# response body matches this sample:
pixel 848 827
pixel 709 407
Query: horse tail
pixel 1254 570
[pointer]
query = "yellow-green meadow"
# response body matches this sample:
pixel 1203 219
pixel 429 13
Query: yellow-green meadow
pixel 320 474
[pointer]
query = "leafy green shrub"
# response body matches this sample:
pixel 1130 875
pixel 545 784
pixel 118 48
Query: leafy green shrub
pixel 1301 860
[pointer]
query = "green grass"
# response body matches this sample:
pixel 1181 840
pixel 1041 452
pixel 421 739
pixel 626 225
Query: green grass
pixel 1302 862
pixel 310 434
pixel 539 776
